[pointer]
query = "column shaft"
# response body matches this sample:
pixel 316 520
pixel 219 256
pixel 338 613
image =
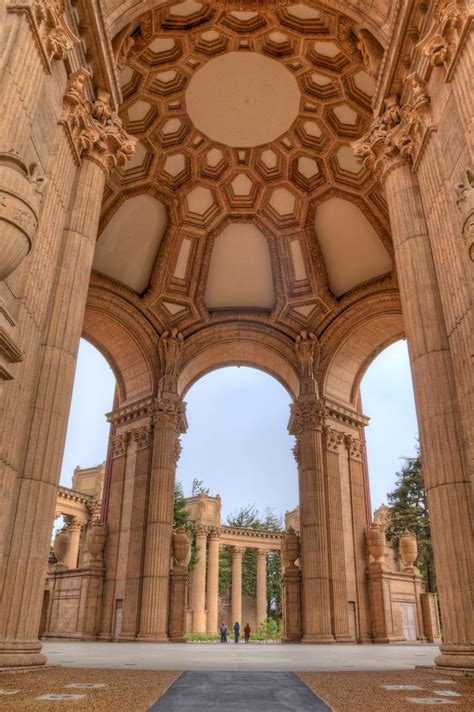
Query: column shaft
pixel 446 482
pixel 261 586
pixel 26 561
pixel 70 560
pixel 199 583
pixel 236 605
pixel 213 582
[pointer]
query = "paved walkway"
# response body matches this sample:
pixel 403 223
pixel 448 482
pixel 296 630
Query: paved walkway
pixel 239 692
pixel 244 658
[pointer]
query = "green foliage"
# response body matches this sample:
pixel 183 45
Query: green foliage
pixel 250 518
pixel 268 630
pixel 199 637
pixel 197 487
pixel 409 510
pixel 181 519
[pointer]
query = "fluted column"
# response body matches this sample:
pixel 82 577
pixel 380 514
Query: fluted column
pixel 213 581
pixel 199 582
pixel 261 586
pixel 332 440
pixel 236 604
pixel 169 422
pixel 30 39
pixel 387 148
pixel 98 146
pixel 74 529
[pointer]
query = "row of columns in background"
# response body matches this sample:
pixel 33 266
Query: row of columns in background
pixel 209 554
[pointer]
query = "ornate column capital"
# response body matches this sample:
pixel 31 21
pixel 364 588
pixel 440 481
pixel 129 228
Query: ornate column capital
pixel 399 134
pixel 354 447
pixel 93 131
pixel 142 436
pixel 332 438
pixel 201 531
pixel 261 553
pixel 214 532
pixel 120 444
pixel 170 413
pixel 238 551
pixel 306 414
pixel 53 35
pixel 451 20
pixel 72 523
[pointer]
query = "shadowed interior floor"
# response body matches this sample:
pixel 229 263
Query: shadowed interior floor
pixel 239 692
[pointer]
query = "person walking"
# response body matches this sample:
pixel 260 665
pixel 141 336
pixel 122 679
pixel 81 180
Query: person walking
pixel 223 631
pixel 247 631
pixel 236 632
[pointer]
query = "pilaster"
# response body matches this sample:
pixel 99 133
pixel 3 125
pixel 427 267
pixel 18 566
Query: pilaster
pixel 236 592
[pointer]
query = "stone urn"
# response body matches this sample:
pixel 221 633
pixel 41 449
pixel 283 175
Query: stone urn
pixel 376 541
pixel 181 545
pixel 95 540
pixel 408 549
pixel 290 547
pixel 62 542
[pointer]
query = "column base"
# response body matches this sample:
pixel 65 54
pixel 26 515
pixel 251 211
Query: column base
pixel 317 639
pixel 291 641
pixel 152 638
pixel 25 653
pixel 456 656
pixel 347 639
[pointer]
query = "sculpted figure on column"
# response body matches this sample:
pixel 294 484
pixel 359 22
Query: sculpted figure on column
pixel 172 345
pixel 307 350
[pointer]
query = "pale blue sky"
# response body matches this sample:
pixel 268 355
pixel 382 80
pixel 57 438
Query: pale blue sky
pixel 237 441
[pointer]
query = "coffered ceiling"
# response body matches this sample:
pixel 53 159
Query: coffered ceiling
pixel 243 197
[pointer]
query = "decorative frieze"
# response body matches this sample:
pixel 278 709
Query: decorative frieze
pixel 399 133
pixel 53 35
pixel 92 128
pixel 131 412
pixel 451 20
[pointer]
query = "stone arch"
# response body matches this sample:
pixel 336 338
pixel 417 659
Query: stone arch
pixel 217 347
pixel 118 333
pixel 374 17
pixel 351 343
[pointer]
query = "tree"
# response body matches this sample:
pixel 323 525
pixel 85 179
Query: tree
pixel 249 518
pixel 198 488
pixel 409 510
pixel 181 519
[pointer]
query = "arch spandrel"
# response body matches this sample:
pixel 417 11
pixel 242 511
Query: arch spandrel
pixel 233 346
pixel 351 343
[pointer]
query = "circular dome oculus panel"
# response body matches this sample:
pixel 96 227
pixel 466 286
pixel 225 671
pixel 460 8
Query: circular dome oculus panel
pixel 243 99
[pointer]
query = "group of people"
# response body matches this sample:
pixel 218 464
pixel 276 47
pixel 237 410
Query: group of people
pixel 223 629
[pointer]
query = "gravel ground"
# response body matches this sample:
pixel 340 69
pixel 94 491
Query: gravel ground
pixel 125 691
pixel 363 691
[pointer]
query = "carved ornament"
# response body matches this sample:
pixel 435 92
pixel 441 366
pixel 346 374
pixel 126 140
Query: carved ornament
pixel 465 201
pixel 332 438
pixel 354 447
pixel 119 445
pixel 307 415
pixel 442 43
pixel 92 128
pixel 170 414
pixel 142 436
pixel 399 134
pixel 171 347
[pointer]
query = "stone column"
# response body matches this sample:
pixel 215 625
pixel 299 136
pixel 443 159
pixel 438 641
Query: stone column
pixel 236 603
pixel 74 529
pixel 359 526
pixel 261 586
pixel 31 37
pixel 213 581
pixel 199 582
pixel 169 422
pixel 99 145
pixel 337 563
pixel 388 148
pixel 306 422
